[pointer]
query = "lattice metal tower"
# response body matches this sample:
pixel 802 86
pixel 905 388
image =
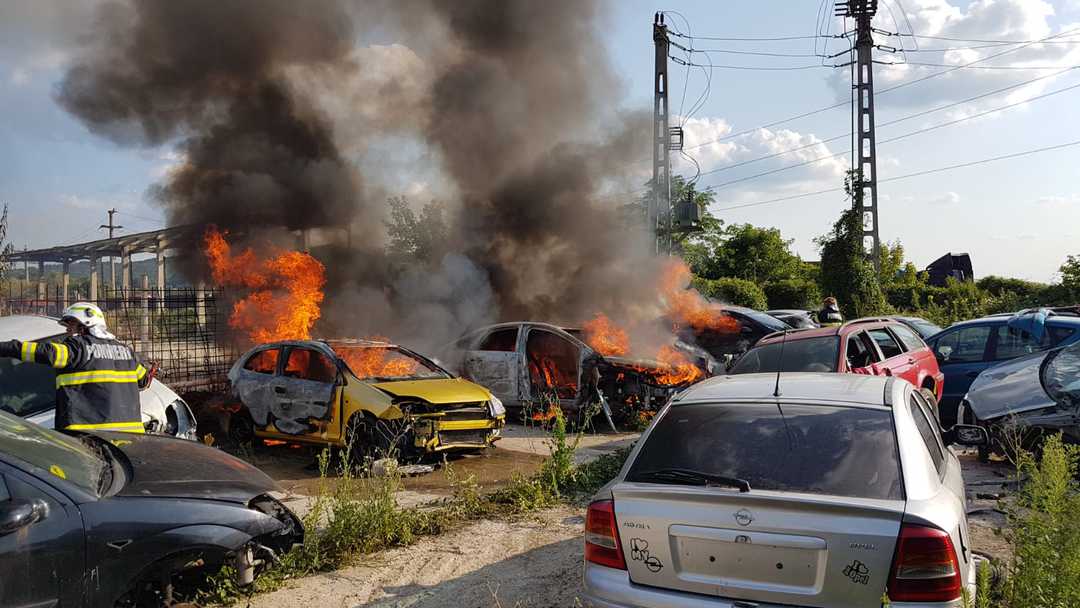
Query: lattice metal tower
pixel 865 196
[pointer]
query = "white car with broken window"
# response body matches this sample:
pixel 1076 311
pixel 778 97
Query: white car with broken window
pixel 822 490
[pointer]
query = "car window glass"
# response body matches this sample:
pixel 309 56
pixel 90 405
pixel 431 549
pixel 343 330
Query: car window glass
pixel 54 453
pixel 26 388
pixel 926 429
pixel 965 345
pixel 1059 334
pixel 502 340
pixel 4 495
pixel 816 449
pixel 553 363
pixel 263 362
pixel 888 345
pixel 907 338
pixel 1012 343
pixel 805 355
pixel 307 364
pixel 857 353
pixel 387 363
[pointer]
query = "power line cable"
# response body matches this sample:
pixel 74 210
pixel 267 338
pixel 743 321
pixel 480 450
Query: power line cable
pixel 911 175
pixel 985 41
pixel 749 38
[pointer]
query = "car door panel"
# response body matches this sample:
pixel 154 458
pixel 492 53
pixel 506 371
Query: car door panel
pixel 497 371
pixel 41 564
pixel 969 349
pixel 305 390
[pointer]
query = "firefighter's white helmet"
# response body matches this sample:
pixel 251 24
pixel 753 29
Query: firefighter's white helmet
pixel 86 314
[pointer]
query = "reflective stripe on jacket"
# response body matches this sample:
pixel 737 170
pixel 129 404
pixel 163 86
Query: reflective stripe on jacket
pixel 97 381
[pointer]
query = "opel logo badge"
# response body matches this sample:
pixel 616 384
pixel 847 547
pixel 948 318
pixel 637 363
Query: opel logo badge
pixel 743 517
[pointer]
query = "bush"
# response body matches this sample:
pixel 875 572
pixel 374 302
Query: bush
pixel 793 293
pixel 737 292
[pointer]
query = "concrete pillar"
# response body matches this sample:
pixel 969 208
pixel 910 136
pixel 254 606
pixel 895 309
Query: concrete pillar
pixel 41 279
pixel 94 266
pixel 125 265
pixel 146 308
pixel 66 281
pixel 200 303
pixel 161 273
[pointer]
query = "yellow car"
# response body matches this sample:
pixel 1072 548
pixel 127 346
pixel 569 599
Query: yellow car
pixel 375 396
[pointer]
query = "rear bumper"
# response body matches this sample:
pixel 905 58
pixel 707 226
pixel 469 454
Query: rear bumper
pixel 610 588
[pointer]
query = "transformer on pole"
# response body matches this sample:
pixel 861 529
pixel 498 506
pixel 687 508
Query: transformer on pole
pixel 865 192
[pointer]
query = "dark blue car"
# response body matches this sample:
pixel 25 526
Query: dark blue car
pixel 965 349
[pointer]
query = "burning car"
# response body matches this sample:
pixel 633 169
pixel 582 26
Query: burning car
pixel 530 364
pixel 372 396
pixel 1039 392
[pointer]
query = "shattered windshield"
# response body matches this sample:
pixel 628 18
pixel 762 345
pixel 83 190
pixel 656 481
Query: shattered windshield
pixel 387 364
pixel 805 355
pixel 60 455
pixel 1061 375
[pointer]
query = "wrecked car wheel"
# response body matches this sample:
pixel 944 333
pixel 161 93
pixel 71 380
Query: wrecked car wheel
pixel 371 439
pixel 241 429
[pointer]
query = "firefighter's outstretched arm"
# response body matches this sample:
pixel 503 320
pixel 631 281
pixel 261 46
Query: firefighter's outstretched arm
pixel 60 355
pixel 144 376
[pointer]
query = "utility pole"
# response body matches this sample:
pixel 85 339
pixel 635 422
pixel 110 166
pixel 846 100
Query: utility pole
pixel 865 193
pixel 112 264
pixel 659 210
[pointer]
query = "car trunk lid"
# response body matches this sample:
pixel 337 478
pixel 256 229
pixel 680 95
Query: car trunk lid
pixel 799 549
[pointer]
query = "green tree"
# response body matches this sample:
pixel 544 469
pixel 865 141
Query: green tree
pixel 846 273
pixel 1070 273
pixel 415 238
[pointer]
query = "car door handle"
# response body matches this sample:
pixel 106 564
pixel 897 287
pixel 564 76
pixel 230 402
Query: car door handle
pixel 911 360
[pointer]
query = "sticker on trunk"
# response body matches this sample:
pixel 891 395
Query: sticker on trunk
pixel 639 552
pixel 858 572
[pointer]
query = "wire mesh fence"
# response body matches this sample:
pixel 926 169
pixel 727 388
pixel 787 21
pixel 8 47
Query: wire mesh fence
pixel 181 330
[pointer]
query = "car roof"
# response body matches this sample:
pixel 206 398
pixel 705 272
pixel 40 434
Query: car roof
pixel 1051 319
pixel 29 327
pixel 818 332
pixel 796 386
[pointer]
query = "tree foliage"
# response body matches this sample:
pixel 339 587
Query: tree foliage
pixel 731 290
pixel 846 273
pixel 1070 275
pixel 6 247
pixel 415 238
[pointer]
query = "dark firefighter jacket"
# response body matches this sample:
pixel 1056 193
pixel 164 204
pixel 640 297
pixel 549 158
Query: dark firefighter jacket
pixel 97 381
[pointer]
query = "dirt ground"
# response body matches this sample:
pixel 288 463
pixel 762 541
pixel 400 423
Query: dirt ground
pixel 532 563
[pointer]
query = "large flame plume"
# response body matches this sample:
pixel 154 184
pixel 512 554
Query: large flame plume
pixel 284 292
pixel 605 337
pixel 376 361
pixel 686 307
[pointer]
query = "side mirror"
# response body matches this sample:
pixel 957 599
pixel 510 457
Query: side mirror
pixel 19 513
pixel 968 435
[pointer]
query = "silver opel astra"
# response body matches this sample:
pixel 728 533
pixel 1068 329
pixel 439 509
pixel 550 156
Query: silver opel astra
pixel 825 490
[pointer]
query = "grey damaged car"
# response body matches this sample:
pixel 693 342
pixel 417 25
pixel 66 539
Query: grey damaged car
pixel 1039 392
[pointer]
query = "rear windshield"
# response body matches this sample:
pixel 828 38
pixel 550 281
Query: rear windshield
pixel 839 451
pixel 806 355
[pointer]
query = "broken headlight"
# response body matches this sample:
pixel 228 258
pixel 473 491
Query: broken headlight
pixel 496 407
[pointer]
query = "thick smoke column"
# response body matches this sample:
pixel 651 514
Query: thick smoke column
pixel 513 100
pixel 212 73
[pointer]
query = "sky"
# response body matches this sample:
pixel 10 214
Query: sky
pixel 1016 217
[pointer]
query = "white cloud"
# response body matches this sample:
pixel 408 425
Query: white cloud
pixel 1058 201
pixel 20 76
pixel 75 201
pixel 948 198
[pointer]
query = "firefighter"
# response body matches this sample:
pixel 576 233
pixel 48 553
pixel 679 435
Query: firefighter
pixel 98 378
pixel 829 315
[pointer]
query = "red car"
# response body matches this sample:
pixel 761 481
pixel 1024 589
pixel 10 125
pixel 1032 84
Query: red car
pixel 880 347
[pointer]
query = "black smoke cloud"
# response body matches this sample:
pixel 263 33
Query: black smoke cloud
pixel 516 103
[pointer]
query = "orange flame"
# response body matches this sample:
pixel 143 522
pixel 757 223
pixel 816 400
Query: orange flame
pixel 688 307
pixel 605 337
pixel 376 362
pixel 679 369
pixel 286 291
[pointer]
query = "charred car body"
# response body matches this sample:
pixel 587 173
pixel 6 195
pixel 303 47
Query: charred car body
pixel 527 364
pixel 381 396
pixel 120 519
pixel 1038 392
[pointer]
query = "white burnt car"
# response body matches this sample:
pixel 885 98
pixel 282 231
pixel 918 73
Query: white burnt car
pixel 29 390
pixel 526 364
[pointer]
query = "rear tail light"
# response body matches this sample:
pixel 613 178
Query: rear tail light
pixel 602 536
pixel 925 568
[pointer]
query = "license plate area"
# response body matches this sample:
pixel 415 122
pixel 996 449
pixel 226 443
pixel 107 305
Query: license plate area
pixel 743 559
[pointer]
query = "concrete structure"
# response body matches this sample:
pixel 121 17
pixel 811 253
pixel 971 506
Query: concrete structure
pixel 155 241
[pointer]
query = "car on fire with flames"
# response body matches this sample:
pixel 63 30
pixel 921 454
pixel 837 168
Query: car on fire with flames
pixel 371 396
pixel 531 365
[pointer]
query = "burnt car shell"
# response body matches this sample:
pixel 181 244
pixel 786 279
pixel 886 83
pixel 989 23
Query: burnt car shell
pixel 173 508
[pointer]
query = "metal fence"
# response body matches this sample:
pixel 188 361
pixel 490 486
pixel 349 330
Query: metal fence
pixel 182 330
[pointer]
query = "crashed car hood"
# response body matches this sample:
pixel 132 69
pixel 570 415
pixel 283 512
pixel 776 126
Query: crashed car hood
pixel 636 363
pixel 163 467
pixel 1012 387
pixel 436 390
